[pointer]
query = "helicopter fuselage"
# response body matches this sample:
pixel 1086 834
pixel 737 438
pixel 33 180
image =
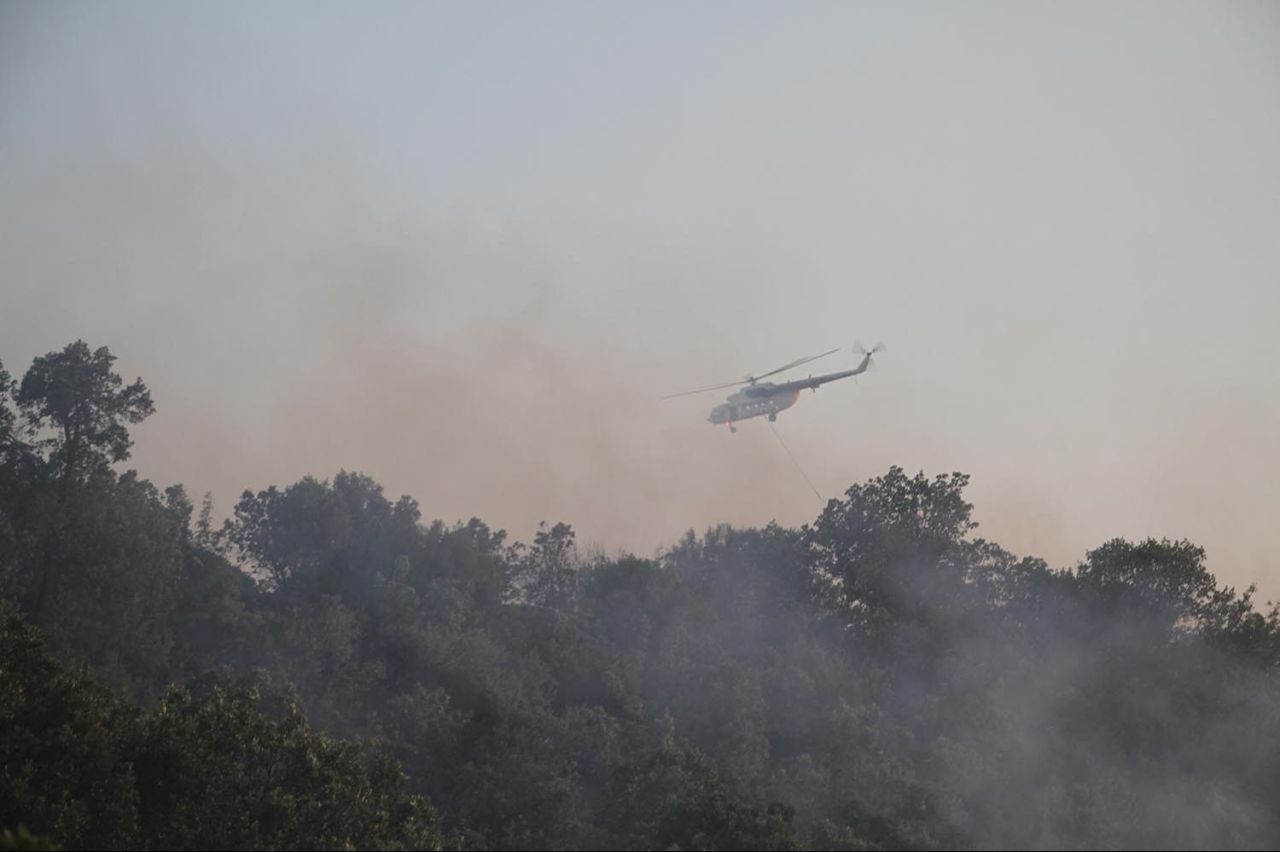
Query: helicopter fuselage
pixel 765 398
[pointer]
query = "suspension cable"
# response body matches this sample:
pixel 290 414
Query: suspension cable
pixel 795 462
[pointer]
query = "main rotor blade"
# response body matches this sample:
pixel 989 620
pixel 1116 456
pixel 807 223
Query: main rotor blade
pixel 751 379
pixel 795 363
pixel 703 390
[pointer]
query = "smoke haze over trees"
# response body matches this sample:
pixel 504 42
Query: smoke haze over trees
pixel 328 668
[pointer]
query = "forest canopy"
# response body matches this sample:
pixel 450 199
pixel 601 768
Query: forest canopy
pixel 327 669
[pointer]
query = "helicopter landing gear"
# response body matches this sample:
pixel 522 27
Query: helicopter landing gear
pixel 733 428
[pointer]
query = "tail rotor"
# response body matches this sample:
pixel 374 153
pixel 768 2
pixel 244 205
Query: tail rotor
pixel 867 353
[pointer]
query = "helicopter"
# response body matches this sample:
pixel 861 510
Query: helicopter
pixel 768 398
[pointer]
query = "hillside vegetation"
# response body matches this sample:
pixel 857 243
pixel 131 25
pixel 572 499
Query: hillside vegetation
pixel 327 669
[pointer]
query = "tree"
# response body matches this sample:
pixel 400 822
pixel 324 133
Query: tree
pixel 895 547
pixel 63 771
pixel 75 395
pixel 75 411
pixel 218 770
pixel 105 569
pixel 548 575
pixel 1164 580
pixel 16 471
pixel 671 797
pixel 8 417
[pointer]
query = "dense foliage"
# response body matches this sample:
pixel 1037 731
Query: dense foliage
pixel 880 678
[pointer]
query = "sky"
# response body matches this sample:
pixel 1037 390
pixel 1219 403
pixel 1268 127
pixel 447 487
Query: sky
pixel 466 247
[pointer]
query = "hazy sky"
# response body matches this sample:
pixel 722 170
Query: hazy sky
pixel 464 248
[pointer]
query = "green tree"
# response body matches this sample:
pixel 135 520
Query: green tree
pixel 75 414
pixel 670 796
pixel 8 413
pixel 549 574
pixel 78 408
pixel 218 770
pixel 895 561
pixel 64 771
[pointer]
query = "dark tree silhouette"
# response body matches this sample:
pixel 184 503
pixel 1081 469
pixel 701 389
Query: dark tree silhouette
pixel 879 679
